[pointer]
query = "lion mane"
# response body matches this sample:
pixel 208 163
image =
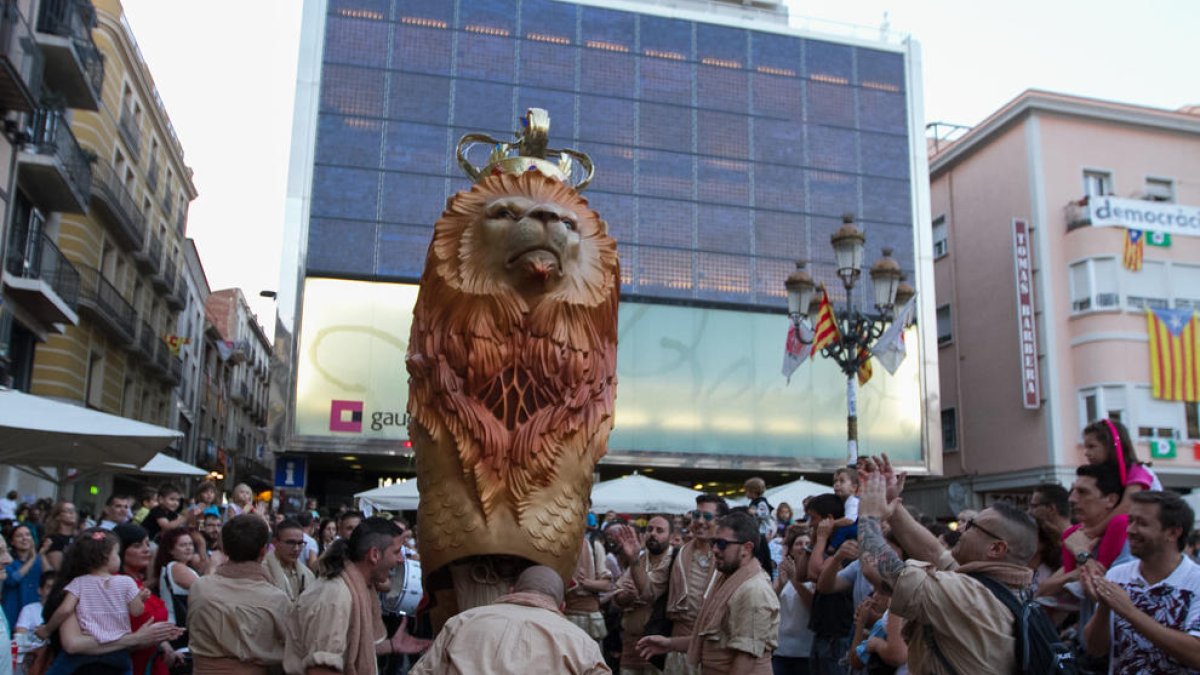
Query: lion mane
pixel 520 386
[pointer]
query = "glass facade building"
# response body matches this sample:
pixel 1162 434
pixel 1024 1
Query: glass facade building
pixel 724 151
pixel 722 154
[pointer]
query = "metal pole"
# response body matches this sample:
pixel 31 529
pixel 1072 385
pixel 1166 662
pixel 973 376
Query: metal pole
pixel 852 419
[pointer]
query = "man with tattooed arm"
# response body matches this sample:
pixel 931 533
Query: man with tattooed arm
pixel 957 624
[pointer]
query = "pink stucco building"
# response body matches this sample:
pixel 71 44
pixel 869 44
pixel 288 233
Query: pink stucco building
pixel 1008 427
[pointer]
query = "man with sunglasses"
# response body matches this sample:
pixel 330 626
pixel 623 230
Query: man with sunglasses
pixel 691 574
pixel 737 628
pixel 959 625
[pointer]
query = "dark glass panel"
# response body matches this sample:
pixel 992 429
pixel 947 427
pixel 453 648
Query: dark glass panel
pixel 345 193
pixel 722 134
pixel 548 65
pixel 353 91
pixel 497 16
pixel 832 193
pixel 355 41
pixel 884 155
pixel 779 234
pixel 484 107
pixel 340 247
pixel 664 272
pixel 607 120
pixel 778 187
pixel 769 275
pixel 665 174
pixel 666 222
pixel 438 10
pixel 880 70
pixel 486 57
pixel 603 71
pixel 614 167
pixel 666 80
pixel 549 17
pixel 419 98
pixel 832 148
pixel 723 278
pixel 776 54
pixel 882 111
pixel 726 181
pixel 721 43
pixel 666 127
pixel 402 250
pixel 722 88
pixel 352 141
pixel 376 10
pixel 608 26
pixel 618 211
pixel 423 47
pixel 670 39
pixel 829 61
pixel 780 142
pixel 723 228
pixel 886 199
pixel 417 147
pixel 413 199
pixel 777 96
pixel 830 104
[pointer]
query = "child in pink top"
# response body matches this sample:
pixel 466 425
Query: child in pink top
pixel 102 601
pixel 1108 442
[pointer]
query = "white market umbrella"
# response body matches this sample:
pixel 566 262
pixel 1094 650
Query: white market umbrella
pixel 794 493
pixel 37 431
pixel 395 497
pixel 165 465
pixel 636 493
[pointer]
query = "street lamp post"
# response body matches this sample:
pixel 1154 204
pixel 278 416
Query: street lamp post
pixel 857 329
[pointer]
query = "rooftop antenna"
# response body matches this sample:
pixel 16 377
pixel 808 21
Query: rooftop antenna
pixel 885 27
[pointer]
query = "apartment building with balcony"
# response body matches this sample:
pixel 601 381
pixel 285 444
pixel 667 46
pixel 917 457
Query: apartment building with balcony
pixel 190 327
pixel 1041 326
pixel 98 192
pixel 233 415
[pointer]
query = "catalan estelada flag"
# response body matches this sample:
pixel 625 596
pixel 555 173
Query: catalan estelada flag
pixel 865 371
pixel 826 330
pixel 1135 248
pixel 1174 354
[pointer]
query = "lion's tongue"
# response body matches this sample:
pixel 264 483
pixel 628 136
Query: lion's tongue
pixel 539 264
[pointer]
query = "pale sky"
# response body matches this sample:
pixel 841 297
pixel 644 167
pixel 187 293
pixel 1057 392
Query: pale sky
pixel 226 70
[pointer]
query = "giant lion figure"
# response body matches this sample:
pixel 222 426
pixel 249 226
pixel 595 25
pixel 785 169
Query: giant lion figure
pixel 512 361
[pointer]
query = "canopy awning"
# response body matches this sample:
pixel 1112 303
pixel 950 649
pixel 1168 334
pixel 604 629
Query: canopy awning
pixel 37 431
pixel 636 493
pixel 794 494
pixel 161 464
pixel 395 497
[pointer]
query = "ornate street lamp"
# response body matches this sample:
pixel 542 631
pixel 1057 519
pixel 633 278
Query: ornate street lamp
pixel 858 330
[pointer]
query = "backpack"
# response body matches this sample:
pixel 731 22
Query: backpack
pixel 1039 647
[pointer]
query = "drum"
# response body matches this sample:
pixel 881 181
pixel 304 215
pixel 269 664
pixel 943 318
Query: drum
pixel 406 591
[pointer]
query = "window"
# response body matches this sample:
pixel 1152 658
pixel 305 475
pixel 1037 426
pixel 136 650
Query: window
pixel 1106 401
pixel 1147 287
pixel 1094 284
pixel 1154 418
pixel 1185 284
pixel 944 332
pixel 1160 190
pixel 949 431
pixel 941 246
pixel 1097 183
pixel 95 381
pixel 1191 414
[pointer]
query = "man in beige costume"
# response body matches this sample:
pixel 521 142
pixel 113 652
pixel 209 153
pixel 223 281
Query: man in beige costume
pixel 691 576
pixel 237 619
pixel 522 633
pixel 591 578
pixel 645 579
pixel 283 565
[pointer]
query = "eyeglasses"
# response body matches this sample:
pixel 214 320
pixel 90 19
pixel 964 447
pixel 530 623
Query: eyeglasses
pixel 971 523
pixel 294 543
pixel 706 515
pixel 720 544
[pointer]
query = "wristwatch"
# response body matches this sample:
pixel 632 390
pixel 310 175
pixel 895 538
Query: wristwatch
pixel 1083 556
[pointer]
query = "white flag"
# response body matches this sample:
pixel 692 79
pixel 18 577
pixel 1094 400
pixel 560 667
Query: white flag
pixel 795 351
pixel 890 349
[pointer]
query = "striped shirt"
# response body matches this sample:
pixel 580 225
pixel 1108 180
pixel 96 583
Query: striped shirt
pixel 103 609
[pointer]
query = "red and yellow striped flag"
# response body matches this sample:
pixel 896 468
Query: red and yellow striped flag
pixel 865 371
pixel 1174 354
pixel 1135 249
pixel 826 330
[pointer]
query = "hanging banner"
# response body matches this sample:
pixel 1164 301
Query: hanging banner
pixel 1026 323
pixel 1139 214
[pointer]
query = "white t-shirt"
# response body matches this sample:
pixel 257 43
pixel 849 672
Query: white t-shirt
pixel 853 574
pixel 1173 602
pixel 795 637
pixel 851 507
pixel 29 619
pixel 8 509
pixel 309 550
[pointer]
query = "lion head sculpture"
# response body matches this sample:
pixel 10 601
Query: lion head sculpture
pixel 512 361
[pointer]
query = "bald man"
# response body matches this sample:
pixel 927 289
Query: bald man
pixel 522 633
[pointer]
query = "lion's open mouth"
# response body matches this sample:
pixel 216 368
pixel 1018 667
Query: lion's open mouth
pixel 530 251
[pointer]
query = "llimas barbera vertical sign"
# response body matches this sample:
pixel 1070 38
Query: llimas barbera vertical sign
pixel 1026 323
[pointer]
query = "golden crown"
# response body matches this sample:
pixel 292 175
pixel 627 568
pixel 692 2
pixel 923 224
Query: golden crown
pixel 527 153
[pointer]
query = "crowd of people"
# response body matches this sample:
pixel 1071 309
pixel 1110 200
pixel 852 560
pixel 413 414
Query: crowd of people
pixel 1096 577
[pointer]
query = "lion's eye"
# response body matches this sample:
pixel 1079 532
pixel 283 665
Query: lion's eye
pixel 570 224
pixel 507 214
